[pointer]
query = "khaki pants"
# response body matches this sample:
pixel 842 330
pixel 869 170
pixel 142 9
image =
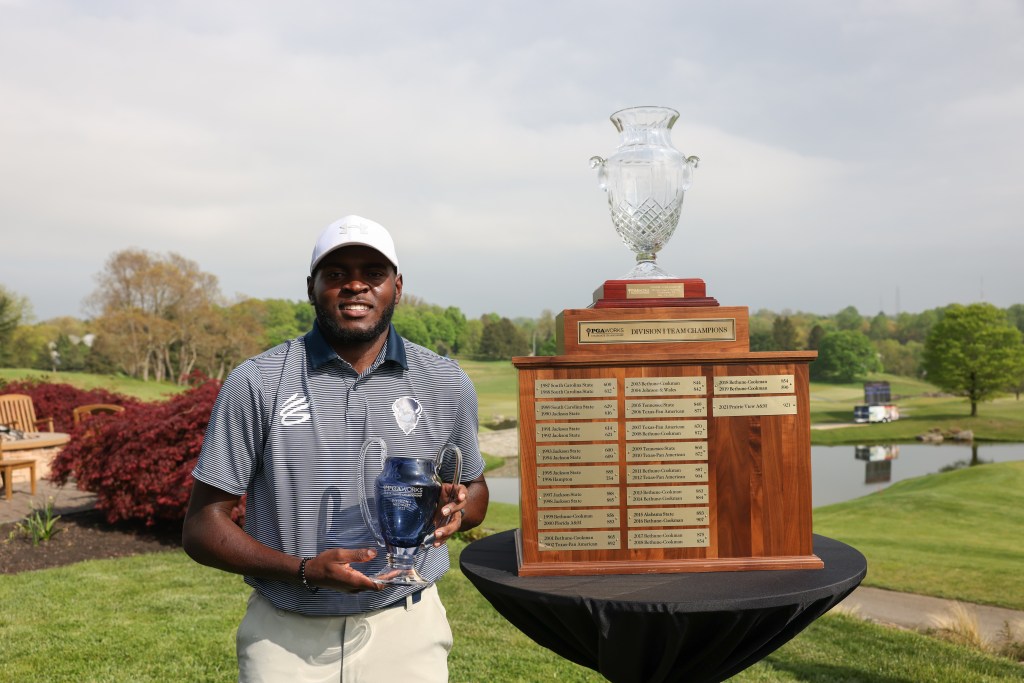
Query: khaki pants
pixel 407 642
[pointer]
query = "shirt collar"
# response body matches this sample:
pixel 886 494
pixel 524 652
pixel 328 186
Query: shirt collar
pixel 320 352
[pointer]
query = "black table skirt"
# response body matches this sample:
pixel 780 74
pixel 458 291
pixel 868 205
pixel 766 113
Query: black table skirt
pixel 663 627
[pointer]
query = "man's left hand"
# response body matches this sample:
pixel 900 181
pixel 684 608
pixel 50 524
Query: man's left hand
pixel 452 508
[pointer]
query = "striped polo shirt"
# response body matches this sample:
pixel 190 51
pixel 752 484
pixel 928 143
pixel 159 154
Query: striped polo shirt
pixel 288 427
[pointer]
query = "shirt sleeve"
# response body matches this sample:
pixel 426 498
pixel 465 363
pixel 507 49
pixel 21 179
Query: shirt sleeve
pixel 233 445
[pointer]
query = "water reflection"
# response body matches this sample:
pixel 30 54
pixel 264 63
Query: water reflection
pixel 878 459
pixel 836 477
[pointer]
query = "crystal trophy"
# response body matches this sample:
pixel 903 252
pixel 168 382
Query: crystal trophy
pixel 405 500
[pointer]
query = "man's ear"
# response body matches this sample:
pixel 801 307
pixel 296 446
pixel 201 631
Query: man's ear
pixel 398 289
pixel 309 289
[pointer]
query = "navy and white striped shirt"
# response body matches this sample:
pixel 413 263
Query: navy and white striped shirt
pixel 287 429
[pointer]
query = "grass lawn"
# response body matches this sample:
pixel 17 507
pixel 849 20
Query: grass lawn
pixel 129 386
pixel 161 617
pixel 954 535
pixel 495 383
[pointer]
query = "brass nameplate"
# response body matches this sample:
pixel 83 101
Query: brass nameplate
pixel 654 290
pixel 577 431
pixel 755 384
pixel 668 517
pixel 576 476
pixel 762 405
pixel 669 538
pixel 579 540
pixel 565 498
pixel 666 386
pixel 575 388
pixel 594 452
pixel 684 429
pixel 650 331
pixel 650 408
pixel 576 410
pixel 667 450
pixel 655 474
pixel 665 495
pixel 581 519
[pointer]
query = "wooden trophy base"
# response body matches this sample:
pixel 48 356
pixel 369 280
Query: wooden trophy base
pixel 656 441
pixel 652 293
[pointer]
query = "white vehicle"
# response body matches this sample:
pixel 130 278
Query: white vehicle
pixel 884 413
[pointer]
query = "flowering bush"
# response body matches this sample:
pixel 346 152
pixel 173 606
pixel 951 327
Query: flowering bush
pixel 139 462
pixel 59 400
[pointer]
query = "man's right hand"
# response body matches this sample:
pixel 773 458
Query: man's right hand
pixel 332 569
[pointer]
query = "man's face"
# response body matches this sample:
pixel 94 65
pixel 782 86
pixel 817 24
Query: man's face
pixel 354 292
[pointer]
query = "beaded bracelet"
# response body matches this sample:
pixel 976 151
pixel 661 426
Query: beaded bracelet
pixel 302 576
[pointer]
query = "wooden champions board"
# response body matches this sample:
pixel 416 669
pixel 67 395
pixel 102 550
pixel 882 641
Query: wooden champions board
pixel 664 461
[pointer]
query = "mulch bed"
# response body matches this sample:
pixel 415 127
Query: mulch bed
pixel 82 536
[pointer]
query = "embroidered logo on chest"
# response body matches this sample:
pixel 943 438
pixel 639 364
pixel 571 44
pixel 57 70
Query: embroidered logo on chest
pixel 407 412
pixel 295 410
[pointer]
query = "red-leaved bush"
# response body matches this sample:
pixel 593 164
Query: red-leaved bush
pixel 58 400
pixel 139 462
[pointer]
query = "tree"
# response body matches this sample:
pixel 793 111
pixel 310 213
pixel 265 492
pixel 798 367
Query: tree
pixel 158 311
pixel 814 337
pixel 850 319
pixel 501 340
pixel 881 327
pixel 14 311
pixel 845 356
pixel 973 351
pixel 784 334
pixel 900 359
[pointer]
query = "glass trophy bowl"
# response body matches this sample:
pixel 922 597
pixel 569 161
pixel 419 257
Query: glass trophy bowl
pixel 645 180
pixel 404 502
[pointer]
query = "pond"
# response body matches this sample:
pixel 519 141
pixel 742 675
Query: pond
pixel 840 473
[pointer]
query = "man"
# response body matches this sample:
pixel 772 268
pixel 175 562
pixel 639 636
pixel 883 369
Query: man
pixel 287 429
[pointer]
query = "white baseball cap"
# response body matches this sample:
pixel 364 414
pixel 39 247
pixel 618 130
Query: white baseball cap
pixel 352 230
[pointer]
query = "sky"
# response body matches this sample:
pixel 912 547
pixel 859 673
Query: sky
pixel 866 152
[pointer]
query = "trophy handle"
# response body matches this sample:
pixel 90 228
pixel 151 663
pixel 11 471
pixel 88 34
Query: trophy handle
pixel 364 500
pixel 457 476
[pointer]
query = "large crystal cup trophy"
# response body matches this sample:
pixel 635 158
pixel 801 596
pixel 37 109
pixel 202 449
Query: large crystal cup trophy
pixel 404 501
pixel 645 180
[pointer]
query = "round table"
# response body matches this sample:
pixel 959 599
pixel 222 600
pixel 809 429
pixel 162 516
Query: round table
pixel 704 626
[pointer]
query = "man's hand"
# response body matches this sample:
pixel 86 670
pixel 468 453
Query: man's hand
pixel 332 569
pixel 451 509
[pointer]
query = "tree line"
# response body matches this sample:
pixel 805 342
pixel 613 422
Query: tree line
pixel 159 317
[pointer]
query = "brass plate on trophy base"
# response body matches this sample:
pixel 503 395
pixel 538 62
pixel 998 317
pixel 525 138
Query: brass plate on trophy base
pixel 576 410
pixel 580 519
pixel 654 408
pixel 753 405
pixel 575 388
pixel 652 330
pixel 667 495
pixel 652 292
pixel 669 538
pixel 666 386
pixel 680 429
pixel 577 476
pixel 755 384
pixel 689 516
pixel 582 497
pixel 666 450
pixel 579 540
pixel 578 453
pixel 577 431
pixel 656 474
